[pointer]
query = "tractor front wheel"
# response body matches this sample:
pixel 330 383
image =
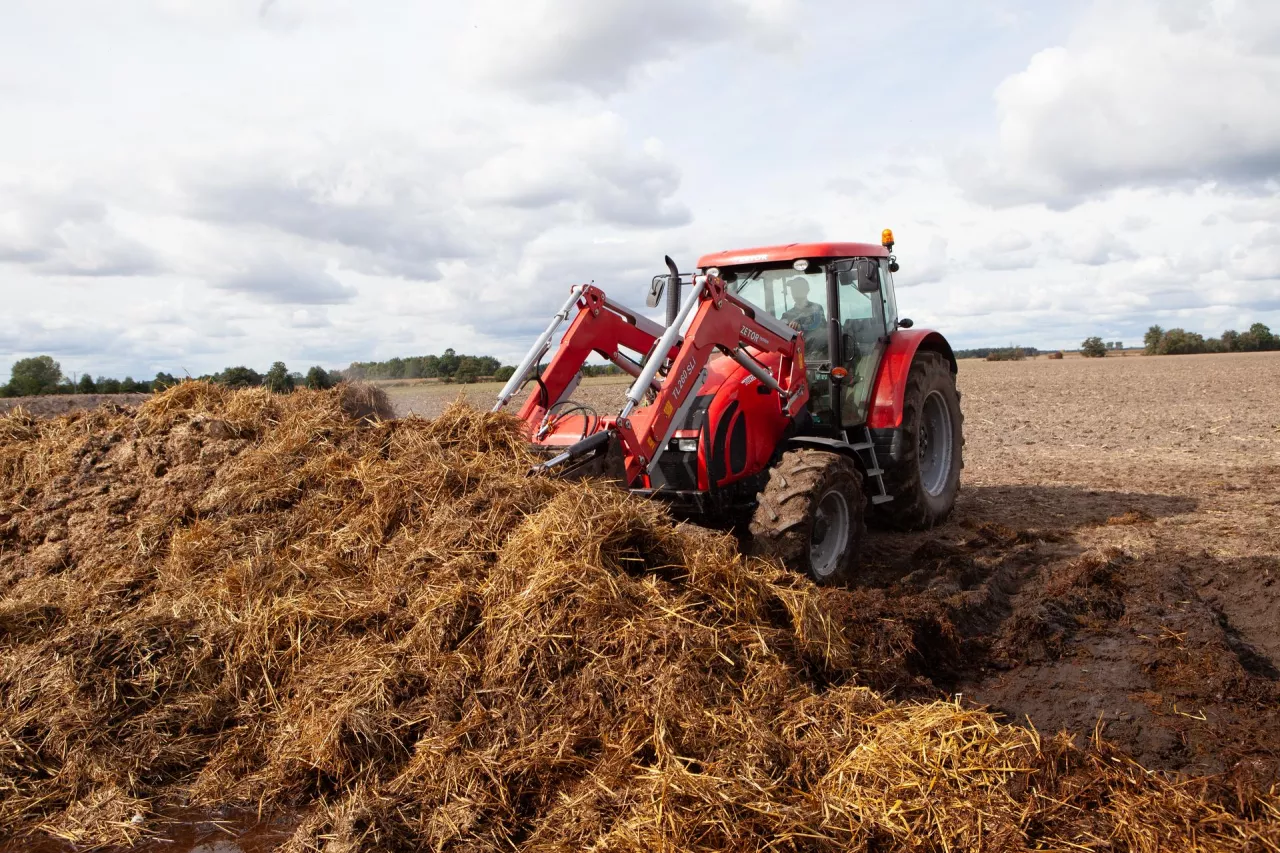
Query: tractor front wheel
pixel 810 515
pixel 925 481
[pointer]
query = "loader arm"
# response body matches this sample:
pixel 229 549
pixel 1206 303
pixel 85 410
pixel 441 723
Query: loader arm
pixel 601 327
pixel 721 322
pixel 718 321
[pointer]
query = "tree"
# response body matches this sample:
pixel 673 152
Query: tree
pixel 1151 340
pixel 502 374
pixel 1266 340
pixel 163 381
pixel 278 380
pixel 37 375
pixel 318 379
pixel 448 363
pixel 1093 348
pixel 107 385
pixel 86 386
pixel 1181 342
pixel 239 377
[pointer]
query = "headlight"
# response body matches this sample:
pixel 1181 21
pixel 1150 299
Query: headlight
pixel 800 265
pixel 714 272
pixel 684 445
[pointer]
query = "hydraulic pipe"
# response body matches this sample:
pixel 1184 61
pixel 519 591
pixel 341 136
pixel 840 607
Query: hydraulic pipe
pixel 538 349
pixel 659 353
pixel 632 368
pixel 590 444
pixel 757 370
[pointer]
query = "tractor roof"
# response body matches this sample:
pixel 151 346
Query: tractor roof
pixel 792 252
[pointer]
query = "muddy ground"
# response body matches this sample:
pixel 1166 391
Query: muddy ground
pixel 1113 563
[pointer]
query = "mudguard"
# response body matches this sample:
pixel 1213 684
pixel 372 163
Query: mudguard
pixel 833 445
pixel 891 379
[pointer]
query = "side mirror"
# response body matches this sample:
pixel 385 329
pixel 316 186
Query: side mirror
pixel 656 287
pixel 906 323
pixel 867 273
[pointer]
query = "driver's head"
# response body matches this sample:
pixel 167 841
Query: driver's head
pixel 799 288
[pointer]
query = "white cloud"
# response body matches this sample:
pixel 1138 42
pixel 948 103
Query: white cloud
pixel 927 267
pixel 1093 247
pixel 1011 250
pixel 587 166
pixel 550 47
pixel 67 231
pixel 199 184
pixel 277 280
pixel 1145 94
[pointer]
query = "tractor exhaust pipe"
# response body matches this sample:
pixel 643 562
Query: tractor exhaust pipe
pixel 673 291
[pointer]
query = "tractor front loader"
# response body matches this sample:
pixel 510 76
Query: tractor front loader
pixel 759 407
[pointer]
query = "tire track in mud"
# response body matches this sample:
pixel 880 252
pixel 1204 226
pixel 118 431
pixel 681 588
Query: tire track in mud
pixel 1171 654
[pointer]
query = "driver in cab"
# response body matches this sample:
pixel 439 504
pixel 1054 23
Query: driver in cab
pixel 805 316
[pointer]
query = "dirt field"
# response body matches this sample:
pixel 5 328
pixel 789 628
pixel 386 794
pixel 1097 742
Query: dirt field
pixel 59 404
pixel 1114 558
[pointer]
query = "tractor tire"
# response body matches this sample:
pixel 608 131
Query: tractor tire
pixel 810 515
pixel 924 483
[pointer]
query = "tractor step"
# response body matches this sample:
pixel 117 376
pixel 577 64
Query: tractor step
pixel 871 467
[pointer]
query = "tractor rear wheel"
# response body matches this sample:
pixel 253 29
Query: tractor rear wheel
pixel 924 483
pixel 810 515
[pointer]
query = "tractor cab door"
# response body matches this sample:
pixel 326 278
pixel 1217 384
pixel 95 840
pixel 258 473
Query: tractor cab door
pixel 864 293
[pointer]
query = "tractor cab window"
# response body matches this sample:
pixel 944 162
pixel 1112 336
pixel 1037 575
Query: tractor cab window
pixel 863 330
pixel 798 299
pixel 886 292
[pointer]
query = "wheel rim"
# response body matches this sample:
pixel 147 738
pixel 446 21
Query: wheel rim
pixel 935 443
pixel 830 537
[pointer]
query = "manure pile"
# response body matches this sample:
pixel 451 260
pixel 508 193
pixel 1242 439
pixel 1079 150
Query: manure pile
pixel 385 628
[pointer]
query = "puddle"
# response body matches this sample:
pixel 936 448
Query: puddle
pixel 185 831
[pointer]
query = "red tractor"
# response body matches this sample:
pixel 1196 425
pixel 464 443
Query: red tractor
pixel 782 393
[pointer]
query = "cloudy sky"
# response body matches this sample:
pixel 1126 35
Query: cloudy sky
pixel 186 184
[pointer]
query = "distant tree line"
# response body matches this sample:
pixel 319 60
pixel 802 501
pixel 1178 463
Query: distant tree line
pixel 1158 341
pixel 448 366
pixel 42 375
pixel 1009 353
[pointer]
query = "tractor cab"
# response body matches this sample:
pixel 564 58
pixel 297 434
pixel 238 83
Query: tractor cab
pixel 840 297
